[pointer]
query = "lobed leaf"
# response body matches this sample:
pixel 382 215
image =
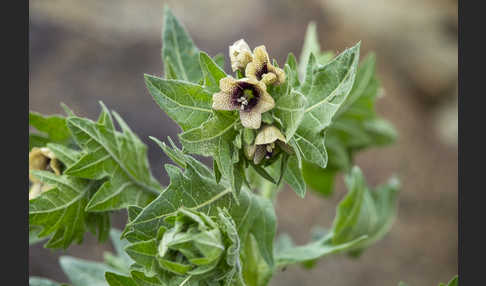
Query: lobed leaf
pixel 119 156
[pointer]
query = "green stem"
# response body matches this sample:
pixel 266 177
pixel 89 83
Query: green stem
pixel 268 190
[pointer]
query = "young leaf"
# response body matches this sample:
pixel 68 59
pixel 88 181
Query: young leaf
pixel 114 279
pixel 293 177
pixel 293 76
pixel 53 129
pixel 326 88
pixel 311 45
pixel 356 125
pixel 219 60
pixel 364 212
pixel 53 126
pixel 205 139
pixel 453 282
pixel 142 280
pixel 319 179
pixel 188 104
pixel 212 73
pixel 313 250
pixel 290 110
pixel 311 146
pixel 179 49
pixel 255 270
pixel 120 156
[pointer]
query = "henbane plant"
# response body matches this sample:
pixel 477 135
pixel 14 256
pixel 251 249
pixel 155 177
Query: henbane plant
pixel 264 126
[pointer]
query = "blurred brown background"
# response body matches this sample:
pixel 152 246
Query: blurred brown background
pixel 85 51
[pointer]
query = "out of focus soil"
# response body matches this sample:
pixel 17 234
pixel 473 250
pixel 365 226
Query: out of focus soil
pixel 85 51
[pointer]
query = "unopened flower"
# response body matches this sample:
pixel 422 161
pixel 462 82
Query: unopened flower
pixel 41 159
pixel 240 55
pixel 247 95
pixel 268 143
pixel 261 69
pixel 194 244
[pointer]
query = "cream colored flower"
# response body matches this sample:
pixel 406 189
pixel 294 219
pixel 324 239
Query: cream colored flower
pixel 45 160
pixel 247 95
pixel 261 69
pixel 240 55
pixel 268 143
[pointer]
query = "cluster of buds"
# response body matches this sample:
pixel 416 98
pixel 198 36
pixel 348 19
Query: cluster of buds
pixel 249 94
pixel 193 244
pixel 41 159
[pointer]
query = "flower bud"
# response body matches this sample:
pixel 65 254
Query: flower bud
pixel 240 55
pixel 41 159
pixel 268 143
pixel 194 244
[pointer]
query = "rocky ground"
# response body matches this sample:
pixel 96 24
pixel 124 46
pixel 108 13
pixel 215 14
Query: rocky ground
pixel 85 51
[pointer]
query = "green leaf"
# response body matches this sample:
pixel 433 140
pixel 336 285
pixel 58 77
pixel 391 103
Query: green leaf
pixel 311 45
pixel 223 156
pixel 119 280
pixel 82 272
pixel 290 110
pixel 205 139
pixel 313 250
pixel 179 49
pixel 453 282
pixel 327 87
pixel 319 179
pixel 362 218
pixel 364 212
pixel 37 141
pixel 60 211
pixel 219 60
pixel 142 280
pixel 311 146
pixel 188 104
pixel 356 125
pixel 293 76
pixel 212 73
pixel 255 270
pixel 66 155
pixel 144 253
pixel 119 156
pixel 54 126
pixel 293 177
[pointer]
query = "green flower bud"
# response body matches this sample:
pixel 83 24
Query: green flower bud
pixel 194 245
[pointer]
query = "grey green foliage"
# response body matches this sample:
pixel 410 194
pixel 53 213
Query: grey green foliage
pixel 179 54
pixel 119 156
pixel 59 212
pixel 363 216
pixel 215 227
pixel 103 169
